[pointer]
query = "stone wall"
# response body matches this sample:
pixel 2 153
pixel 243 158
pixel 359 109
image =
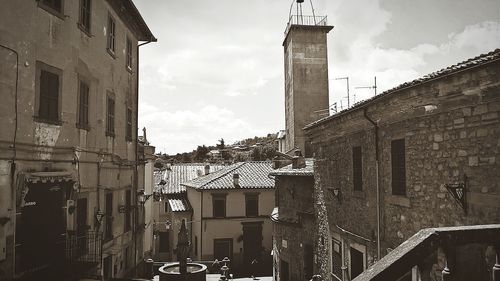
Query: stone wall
pixel 451 130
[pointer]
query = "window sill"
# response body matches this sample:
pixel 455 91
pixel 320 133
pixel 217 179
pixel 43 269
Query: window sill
pixel 399 200
pixel 111 53
pixel 47 121
pixel 83 127
pixel 358 194
pixel 84 30
pixel 51 10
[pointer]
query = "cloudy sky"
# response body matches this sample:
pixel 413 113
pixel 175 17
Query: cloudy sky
pixel 217 68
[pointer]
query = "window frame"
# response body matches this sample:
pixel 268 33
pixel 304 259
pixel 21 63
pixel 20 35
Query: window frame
pixel 219 197
pixel 398 167
pixel 249 197
pixel 129 61
pixel 43 67
pixel 357 169
pixel 85 14
pixel 52 9
pixel 339 242
pixel 110 114
pixel 83 124
pixel 128 123
pixel 111 36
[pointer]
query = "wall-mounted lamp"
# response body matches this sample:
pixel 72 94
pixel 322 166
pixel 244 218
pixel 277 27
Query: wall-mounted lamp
pixel 98 217
pixel 142 197
pixel 336 192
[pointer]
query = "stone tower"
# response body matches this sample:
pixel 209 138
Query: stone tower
pixel 306 76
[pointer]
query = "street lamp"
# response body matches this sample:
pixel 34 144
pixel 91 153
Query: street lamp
pixel 142 197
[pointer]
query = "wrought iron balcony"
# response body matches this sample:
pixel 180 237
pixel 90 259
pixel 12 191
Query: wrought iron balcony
pixel 84 248
pixel 411 253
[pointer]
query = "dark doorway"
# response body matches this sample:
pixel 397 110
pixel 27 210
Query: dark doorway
pixel 252 247
pixel 107 267
pixel 41 228
pixel 284 271
pixel 308 261
pixel 81 225
pixel 357 262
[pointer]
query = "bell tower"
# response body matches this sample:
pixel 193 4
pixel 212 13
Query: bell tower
pixel 306 73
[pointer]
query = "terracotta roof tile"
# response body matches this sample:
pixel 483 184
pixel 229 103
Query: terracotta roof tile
pixel 179 203
pixel 176 174
pixel 308 170
pixel 252 175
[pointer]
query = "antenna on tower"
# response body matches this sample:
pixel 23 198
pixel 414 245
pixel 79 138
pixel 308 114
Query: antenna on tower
pixel 300 19
pixel 374 87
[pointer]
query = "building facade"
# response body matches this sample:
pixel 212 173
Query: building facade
pixel 294 221
pixel 174 206
pixel 69 172
pixel 231 209
pixel 424 154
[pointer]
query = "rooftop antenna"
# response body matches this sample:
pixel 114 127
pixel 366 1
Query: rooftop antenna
pixel 348 96
pixel 300 15
pixel 374 87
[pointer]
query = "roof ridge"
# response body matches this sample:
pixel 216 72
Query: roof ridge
pixel 223 174
pixel 480 60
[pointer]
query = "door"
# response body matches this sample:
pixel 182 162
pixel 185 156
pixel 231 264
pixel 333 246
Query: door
pixel 357 262
pixel 308 261
pixel 284 271
pixel 252 245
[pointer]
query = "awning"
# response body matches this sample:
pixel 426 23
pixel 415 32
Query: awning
pixel 50 177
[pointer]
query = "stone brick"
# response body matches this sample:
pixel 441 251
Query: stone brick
pixel 462 153
pixel 473 161
pixel 482 132
pixel 458 121
pixel 467 111
pixel 487 160
pixel 435 146
pixel 480 109
pixel 438 137
pixel 463 134
pixel 489 116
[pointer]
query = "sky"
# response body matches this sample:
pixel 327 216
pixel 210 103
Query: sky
pixel 217 68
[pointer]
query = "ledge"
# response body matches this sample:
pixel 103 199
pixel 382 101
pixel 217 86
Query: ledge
pixel 401 201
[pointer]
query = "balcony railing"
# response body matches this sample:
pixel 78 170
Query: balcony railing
pixel 84 248
pixel 305 20
pixel 415 250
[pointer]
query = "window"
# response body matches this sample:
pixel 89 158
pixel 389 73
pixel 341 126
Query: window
pixel 223 248
pixel 219 206
pixel 398 166
pixel 85 13
pixel 357 168
pixel 110 121
pixel 49 88
pixel 83 106
pixel 128 129
pixel 111 34
pixel 166 207
pixel 251 205
pixel 108 231
pixel 128 203
pixel 164 242
pixel 52 6
pixel 337 258
pixel 129 54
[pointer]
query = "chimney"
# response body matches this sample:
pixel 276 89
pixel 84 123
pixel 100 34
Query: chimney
pixel 236 179
pixel 207 169
pixel 298 160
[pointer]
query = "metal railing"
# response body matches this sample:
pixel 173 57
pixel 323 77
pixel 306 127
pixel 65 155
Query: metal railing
pixel 305 20
pixel 84 248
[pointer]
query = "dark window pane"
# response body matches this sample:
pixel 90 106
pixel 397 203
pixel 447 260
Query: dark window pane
pixel 83 108
pixel 357 168
pixel 164 242
pixel 398 167
pixel 85 12
pixel 54 4
pixel 49 96
pixel 337 258
pixel 219 207
pixel 252 206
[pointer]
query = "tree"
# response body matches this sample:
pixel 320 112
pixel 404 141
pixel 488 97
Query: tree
pixel 201 153
pixel 221 144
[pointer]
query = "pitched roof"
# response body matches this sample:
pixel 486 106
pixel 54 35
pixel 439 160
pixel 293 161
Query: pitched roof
pixel 308 170
pixel 252 175
pixel 129 13
pixel 470 63
pixel 176 174
pixel 179 203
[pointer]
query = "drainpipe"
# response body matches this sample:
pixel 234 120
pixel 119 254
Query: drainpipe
pixel 375 126
pixel 136 179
